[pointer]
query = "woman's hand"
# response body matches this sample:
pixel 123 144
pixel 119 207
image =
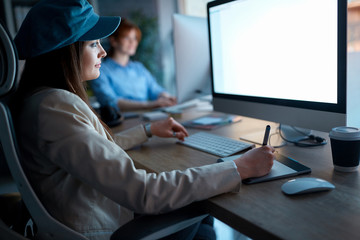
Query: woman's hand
pixel 256 162
pixel 168 128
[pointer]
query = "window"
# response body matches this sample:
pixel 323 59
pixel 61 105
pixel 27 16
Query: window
pixel 193 7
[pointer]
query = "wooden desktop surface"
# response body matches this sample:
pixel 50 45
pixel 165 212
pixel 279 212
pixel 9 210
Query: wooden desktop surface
pixel 262 211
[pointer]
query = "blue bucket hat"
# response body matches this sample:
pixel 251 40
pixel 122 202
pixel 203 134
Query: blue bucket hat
pixel 53 24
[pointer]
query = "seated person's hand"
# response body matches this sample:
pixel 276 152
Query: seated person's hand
pixel 168 97
pixel 256 162
pixel 164 100
pixel 168 128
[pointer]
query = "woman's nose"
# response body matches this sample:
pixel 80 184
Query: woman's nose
pixel 102 52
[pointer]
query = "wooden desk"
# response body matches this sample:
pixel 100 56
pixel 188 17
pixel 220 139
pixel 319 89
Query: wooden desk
pixel 262 211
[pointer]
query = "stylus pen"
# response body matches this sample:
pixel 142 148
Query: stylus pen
pixel 266 136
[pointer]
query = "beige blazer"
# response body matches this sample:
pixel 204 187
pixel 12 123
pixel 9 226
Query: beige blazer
pixel 86 180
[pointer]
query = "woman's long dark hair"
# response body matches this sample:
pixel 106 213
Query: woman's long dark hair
pixel 60 69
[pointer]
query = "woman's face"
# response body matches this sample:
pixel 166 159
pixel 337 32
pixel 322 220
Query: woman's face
pixel 92 54
pixel 127 44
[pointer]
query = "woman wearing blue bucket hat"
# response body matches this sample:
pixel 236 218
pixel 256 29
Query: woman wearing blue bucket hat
pixel 80 171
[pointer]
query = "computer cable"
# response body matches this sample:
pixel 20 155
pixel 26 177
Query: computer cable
pixel 308 140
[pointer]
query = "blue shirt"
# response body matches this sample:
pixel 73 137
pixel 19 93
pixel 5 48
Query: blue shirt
pixel 132 82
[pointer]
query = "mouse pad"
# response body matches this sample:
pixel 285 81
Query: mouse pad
pixel 283 167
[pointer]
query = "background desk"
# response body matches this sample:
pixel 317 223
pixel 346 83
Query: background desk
pixel 262 211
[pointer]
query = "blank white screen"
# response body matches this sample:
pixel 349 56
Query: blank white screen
pixel 275 49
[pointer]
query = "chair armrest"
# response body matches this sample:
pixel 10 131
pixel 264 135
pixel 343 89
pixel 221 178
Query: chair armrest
pixel 158 226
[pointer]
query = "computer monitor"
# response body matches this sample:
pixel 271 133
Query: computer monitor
pixel 283 61
pixel 192 57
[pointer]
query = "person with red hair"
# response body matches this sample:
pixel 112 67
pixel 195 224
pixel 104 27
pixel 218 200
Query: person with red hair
pixel 125 84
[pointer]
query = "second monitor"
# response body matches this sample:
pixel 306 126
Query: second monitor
pixel 192 57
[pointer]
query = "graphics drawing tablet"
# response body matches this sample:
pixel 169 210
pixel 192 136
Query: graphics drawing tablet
pixel 283 167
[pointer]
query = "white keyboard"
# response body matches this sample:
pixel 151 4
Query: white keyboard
pixel 214 144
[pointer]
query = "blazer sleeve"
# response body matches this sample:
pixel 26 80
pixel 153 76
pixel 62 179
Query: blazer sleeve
pixel 130 138
pixel 69 139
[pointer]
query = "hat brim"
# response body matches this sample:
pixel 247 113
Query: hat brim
pixel 104 27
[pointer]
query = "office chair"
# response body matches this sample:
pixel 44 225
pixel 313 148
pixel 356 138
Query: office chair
pixel 145 227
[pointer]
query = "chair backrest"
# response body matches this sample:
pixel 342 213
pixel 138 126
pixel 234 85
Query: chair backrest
pixel 47 226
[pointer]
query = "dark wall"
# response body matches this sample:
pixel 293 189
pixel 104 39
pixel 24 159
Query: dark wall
pixel 2 13
pixel 124 8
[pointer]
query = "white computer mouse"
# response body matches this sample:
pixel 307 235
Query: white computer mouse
pixel 306 185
